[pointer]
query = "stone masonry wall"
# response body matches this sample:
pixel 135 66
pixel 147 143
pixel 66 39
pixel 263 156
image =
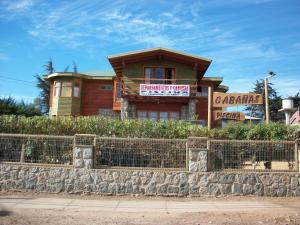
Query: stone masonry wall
pixel 120 182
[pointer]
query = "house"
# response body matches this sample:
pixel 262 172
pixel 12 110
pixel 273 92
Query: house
pixel 157 84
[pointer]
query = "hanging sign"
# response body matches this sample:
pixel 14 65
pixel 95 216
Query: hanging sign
pixel 229 115
pixel 164 90
pixel 234 99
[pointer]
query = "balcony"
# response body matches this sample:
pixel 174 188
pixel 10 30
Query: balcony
pixel 131 86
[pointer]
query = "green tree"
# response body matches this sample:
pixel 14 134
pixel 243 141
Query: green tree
pixel 9 106
pixel 275 102
pixel 44 86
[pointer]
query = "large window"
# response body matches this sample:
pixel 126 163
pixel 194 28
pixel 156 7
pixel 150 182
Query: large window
pixel 157 115
pixel 66 89
pixel 159 75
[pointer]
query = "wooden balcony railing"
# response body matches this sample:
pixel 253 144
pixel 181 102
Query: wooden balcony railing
pixel 131 86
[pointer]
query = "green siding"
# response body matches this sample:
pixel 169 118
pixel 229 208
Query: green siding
pixel 136 70
pixel 64 106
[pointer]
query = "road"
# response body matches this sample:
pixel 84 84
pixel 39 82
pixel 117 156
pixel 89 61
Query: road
pixel 30 208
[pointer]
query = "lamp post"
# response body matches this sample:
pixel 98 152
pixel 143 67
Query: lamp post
pixel 271 74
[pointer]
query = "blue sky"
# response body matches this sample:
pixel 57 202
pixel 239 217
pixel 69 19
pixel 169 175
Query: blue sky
pixel 244 38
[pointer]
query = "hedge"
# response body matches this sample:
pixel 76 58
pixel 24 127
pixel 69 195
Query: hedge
pixel 142 128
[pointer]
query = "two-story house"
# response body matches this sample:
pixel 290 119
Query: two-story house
pixel 157 84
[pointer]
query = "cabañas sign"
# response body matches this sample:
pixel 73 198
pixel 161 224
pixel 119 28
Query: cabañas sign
pixel 229 115
pixel 164 90
pixel 234 99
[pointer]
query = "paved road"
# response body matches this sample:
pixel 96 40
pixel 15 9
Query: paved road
pixel 119 205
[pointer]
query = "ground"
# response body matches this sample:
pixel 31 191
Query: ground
pixel 36 208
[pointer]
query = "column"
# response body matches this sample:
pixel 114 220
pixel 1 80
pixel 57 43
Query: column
pixel 124 108
pixel 209 106
pixel 192 109
pixel 83 156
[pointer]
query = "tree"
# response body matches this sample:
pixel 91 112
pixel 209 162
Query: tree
pixel 275 102
pixel 44 86
pixel 75 69
pixel 9 106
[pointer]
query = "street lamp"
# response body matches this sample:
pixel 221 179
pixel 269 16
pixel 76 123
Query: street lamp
pixel 270 74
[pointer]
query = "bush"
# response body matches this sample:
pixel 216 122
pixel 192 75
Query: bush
pixel 145 128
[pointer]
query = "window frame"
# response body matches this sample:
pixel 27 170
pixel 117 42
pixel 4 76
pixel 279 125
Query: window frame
pixel 163 81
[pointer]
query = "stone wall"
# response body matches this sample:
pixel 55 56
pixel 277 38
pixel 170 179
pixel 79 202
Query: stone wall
pixel 120 182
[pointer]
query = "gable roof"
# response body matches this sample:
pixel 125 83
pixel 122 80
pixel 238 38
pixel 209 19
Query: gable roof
pixel 118 61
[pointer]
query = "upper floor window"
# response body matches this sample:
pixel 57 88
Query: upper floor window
pixel 66 89
pixel 159 75
pixel 202 91
pixel 76 90
pixel 56 89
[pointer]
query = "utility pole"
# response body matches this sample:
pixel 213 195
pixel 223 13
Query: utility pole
pixel 271 74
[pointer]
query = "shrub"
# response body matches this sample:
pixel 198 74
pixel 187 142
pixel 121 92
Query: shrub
pixel 142 128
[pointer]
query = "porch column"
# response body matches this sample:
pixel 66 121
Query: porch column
pixel 192 109
pixel 124 108
pixel 209 106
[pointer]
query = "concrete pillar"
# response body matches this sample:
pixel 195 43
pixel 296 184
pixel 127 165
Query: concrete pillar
pixel 124 108
pixel 209 105
pixel 198 160
pixel 192 109
pixel 184 112
pixel 132 111
pixel 83 156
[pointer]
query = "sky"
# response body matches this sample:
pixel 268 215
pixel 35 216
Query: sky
pixel 244 38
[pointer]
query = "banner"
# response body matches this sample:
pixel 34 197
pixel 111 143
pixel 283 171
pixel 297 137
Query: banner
pixel 234 99
pixel 229 115
pixel 164 90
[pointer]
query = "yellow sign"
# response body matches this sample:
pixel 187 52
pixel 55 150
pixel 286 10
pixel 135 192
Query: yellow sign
pixel 234 99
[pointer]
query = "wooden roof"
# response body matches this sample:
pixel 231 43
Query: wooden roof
pixel 118 61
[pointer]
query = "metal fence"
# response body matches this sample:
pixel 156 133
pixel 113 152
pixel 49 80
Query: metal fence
pixel 223 155
pixel 253 155
pixel 36 149
pixel 141 152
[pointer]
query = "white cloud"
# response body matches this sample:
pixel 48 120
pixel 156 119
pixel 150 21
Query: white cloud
pixel 3 57
pixel 17 5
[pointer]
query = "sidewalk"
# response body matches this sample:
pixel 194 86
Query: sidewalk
pixel 118 205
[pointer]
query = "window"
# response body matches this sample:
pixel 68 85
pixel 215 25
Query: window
pixel 157 75
pixel 157 115
pixel 66 89
pixel 76 90
pixel 153 116
pixel 163 116
pixel 56 89
pixel 118 96
pixel 106 87
pixel 174 115
pixel 142 115
pixel 202 91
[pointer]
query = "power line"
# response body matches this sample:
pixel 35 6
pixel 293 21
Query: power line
pixel 17 80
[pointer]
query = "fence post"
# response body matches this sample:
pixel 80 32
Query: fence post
pixel 83 152
pixel 197 154
pixel 297 154
pixel 22 158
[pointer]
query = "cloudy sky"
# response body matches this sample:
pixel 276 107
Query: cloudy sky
pixel 244 38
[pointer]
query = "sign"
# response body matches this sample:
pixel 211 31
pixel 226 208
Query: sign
pixel 164 90
pixel 229 115
pixel 234 99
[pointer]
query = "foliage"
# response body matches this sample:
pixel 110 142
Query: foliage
pixel 9 106
pixel 44 86
pixel 274 102
pixel 146 128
